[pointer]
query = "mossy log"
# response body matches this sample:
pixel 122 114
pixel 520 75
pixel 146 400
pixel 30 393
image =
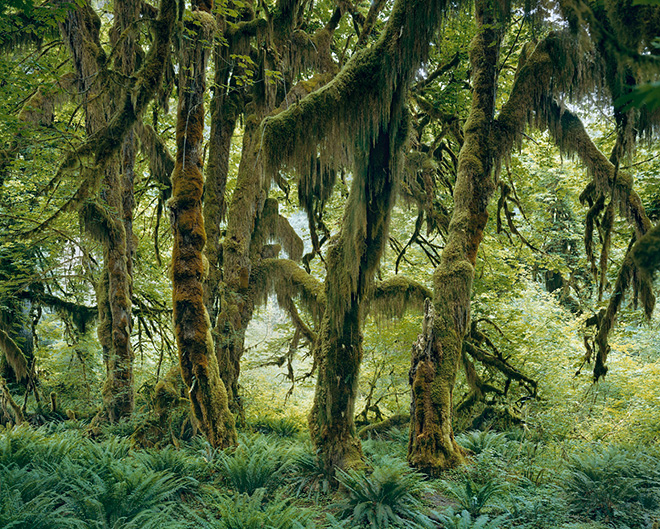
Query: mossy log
pixel 199 368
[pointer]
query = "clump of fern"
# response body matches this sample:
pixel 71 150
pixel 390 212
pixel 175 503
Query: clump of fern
pixel 280 426
pixel 123 495
pixel 613 485
pixel 307 475
pixel 472 497
pixel 245 511
pixel 255 463
pixel 390 496
pixel 29 500
pixel 464 520
pixel 478 442
pixel 188 467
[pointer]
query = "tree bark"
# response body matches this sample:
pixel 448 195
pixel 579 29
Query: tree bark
pixel 115 285
pixel 352 263
pixel 432 447
pixel 199 367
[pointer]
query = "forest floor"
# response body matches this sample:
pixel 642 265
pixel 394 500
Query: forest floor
pixel 56 477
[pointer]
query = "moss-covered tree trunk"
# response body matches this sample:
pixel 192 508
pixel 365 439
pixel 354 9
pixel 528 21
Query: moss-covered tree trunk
pixel 118 248
pixel 113 227
pixel 226 107
pixel 199 367
pixel 236 303
pixel 352 262
pixel 432 447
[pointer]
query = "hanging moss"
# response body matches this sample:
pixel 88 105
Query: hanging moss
pixel 15 357
pixel 288 279
pixel 646 253
pixel 81 30
pixel 392 297
pixel 271 226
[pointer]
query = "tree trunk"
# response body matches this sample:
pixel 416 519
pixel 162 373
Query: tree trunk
pixel 352 263
pixel 115 285
pixel 226 108
pixel 432 447
pixel 199 368
pixel 118 396
pixel 236 303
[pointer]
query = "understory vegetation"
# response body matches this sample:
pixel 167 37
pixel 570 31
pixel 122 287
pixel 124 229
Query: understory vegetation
pixel 55 477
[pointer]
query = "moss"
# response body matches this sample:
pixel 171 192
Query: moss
pixel 288 279
pixel 437 353
pixel 197 359
pixel 646 252
pixel 392 297
pixel 15 357
pixel 8 405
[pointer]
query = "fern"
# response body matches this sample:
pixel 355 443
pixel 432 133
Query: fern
pixel 389 497
pixel 471 496
pixel 612 485
pixel 189 468
pixel 478 442
pixel 244 511
pixel 254 464
pixel 307 475
pixel 463 520
pixel 120 495
pixel 28 500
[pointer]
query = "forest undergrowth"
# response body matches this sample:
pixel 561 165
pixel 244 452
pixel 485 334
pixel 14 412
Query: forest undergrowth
pixel 54 476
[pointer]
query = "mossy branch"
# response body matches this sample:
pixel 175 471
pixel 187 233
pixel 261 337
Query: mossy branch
pixel 287 278
pixel 394 296
pixel 15 357
pixel 106 142
pixel 501 365
pixel 399 419
pixel 8 404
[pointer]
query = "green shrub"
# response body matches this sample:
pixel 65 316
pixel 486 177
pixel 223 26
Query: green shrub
pixel 388 497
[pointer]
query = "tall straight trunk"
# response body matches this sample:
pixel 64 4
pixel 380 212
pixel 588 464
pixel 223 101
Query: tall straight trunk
pixel 432 447
pixel 352 263
pixel 199 368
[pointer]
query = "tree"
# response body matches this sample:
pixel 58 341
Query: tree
pixel 199 368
